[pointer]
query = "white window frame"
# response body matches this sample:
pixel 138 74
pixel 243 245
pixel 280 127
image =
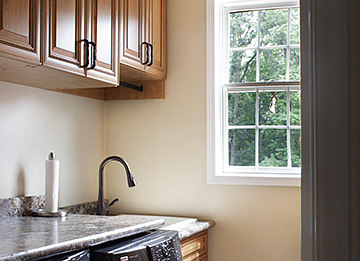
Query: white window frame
pixel 216 20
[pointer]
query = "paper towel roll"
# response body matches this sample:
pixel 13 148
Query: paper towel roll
pixel 52 185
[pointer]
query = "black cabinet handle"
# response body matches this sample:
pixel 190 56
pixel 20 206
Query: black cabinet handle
pixel 152 55
pixel 86 58
pixel 93 58
pixel 147 53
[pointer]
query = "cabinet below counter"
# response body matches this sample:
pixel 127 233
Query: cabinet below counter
pixel 195 247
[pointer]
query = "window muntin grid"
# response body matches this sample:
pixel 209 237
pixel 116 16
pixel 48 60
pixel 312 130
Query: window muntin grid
pixel 291 127
pixel 246 59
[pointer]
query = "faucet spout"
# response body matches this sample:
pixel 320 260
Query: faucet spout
pixel 101 207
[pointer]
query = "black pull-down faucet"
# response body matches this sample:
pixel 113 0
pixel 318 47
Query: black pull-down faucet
pixel 101 207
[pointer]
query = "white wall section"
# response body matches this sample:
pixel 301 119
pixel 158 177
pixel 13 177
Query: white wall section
pixel 33 123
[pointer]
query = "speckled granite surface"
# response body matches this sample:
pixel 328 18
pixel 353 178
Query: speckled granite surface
pixel 23 206
pixel 188 230
pixel 84 208
pixel 24 238
pixel 192 229
pixel 20 206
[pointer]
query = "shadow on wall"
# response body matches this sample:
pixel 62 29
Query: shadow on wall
pixel 21 183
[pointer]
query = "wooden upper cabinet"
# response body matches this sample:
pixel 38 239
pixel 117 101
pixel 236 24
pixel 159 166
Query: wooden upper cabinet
pixel 104 32
pixel 143 43
pixel 63 28
pixel 69 25
pixel 43 43
pixel 19 30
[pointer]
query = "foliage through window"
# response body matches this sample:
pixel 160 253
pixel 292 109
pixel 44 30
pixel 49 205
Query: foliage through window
pixel 258 136
pixel 264 46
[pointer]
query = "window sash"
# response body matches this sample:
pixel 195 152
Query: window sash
pixel 236 88
pixel 226 40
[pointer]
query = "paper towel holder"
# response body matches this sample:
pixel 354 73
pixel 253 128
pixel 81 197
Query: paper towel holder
pixel 43 212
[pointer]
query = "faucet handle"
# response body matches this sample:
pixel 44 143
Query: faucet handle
pixel 113 201
pixel 107 206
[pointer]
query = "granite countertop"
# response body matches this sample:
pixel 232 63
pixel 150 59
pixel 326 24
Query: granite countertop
pixel 25 237
pixel 33 237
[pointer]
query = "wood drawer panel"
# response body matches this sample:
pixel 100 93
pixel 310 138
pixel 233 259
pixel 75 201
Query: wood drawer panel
pixel 195 248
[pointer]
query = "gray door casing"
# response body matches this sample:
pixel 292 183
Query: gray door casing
pixel 330 130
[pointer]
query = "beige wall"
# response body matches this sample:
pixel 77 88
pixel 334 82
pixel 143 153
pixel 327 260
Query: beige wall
pixel 164 141
pixel 34 122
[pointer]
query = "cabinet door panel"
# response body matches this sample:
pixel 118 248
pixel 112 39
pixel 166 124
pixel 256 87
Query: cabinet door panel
pixel 19 29
pixel 133 28
pixel 64 22
pixel 104 29
pixel 64 16
pixel 157 37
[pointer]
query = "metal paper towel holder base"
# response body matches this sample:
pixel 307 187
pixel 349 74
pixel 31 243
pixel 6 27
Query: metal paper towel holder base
pixel 42 213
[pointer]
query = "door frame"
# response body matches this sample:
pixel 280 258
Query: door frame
pixel 330 191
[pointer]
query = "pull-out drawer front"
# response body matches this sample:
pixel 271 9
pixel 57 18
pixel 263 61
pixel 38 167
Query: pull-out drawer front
pixel 195 248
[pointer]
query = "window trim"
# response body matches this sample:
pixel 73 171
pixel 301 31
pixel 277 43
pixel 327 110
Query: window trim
pixel 215 172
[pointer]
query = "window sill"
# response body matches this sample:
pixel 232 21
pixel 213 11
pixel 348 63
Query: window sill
pixel 255 179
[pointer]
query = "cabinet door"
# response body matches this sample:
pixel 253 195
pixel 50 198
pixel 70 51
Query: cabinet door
pixel 19 29
pixel 64 23
pixel 156 35
pixel 103 31
pixel 133 32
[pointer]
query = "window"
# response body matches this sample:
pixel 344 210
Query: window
pixel 253 92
